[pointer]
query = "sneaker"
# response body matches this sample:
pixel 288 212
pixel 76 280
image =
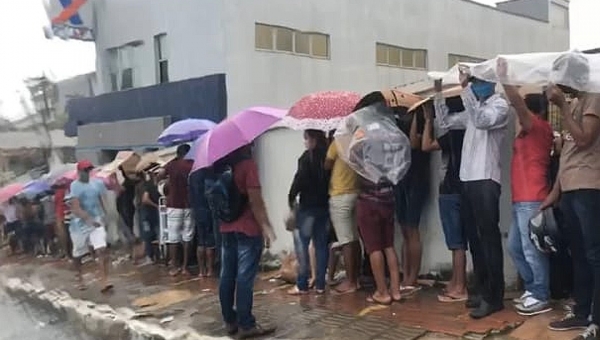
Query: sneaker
pixel 532 306
pixel 147 261
pixel 591 333
pixel 522 298
pixel 569 322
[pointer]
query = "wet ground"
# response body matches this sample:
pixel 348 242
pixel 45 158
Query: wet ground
pixel 22 321
pixel 190 302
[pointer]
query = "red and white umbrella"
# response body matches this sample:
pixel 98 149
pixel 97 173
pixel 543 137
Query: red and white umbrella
pixel 321 110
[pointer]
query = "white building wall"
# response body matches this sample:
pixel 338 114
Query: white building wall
pixel 211 36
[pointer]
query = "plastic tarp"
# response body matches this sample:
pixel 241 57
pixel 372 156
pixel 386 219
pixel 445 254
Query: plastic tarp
pixel 573 69
pixel 372 144
pixel 203 98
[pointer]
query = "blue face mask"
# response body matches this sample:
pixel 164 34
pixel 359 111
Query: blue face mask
pixel 483 89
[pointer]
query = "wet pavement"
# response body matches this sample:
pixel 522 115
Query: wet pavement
pixel 22 321
pixel 179 302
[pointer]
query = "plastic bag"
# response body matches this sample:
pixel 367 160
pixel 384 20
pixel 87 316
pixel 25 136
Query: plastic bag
pixel 573 69
pixel 371 143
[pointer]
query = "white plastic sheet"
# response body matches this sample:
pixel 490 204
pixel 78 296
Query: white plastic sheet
pixel 573 69
pixel 372 144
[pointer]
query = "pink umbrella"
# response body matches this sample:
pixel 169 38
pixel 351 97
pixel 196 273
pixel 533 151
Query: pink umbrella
pixel 9 191
pixel 70 176
pixel 321 110
pixel 233 133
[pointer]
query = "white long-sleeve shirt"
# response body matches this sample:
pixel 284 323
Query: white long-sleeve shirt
pixel 486 124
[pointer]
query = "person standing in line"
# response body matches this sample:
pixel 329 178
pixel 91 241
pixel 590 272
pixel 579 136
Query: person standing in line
pixel 205 225
pixel 242 245
pixel 578 188
pixel 87 227
pixel 179 216
pixel 485 121
pixel 149 216
pixel 529 184
pixel 450 143
pixel 311 183
pixel 343 192
pixel 410 196
pixel 13 224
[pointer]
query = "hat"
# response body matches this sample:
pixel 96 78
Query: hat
pixel 84 165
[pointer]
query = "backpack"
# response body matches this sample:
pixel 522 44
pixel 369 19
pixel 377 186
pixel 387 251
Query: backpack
pixel 224 197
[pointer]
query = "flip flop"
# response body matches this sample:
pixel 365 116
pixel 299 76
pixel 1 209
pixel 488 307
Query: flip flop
pixel 371 299
pixel 296 292
pixel 106 288
pixel 409 290
pixel 447 298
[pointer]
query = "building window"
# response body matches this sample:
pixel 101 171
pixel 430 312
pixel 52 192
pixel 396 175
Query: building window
pixel 454 59
pixel 288 40
pixel 559 16
pixel 121 67
pixel 162 60
pixel 395 56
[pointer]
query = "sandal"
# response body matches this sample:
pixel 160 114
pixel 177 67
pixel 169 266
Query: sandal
pixel 409 290
pixel 371 299
pixel 296 292
pixel 445 297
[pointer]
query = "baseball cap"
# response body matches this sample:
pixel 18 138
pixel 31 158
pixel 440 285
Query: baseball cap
pixel 84 165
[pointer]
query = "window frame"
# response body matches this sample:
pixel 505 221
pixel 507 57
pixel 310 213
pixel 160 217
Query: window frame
pixel 116 56
pixel 401 50
pixel 161 57
pixel 463 58
pixel 274 29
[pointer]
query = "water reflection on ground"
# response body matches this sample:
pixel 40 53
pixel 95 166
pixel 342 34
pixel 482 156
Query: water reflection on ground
pixel 21 321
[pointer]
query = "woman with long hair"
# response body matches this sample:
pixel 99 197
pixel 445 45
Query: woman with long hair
pixel 311 183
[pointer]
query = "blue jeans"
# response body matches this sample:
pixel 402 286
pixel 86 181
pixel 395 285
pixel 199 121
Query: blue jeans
pixel 452 222
pixel 533 266
pixel 581 211
pixel 312 224
pixel 240 257
pixel 150 234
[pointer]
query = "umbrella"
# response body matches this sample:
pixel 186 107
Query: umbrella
pixel 9 191
pixel 35 188
pixel 233 133
pixel 185 131
pixel 321 110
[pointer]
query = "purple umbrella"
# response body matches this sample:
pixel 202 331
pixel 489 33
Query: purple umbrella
pixel 185 131
pixel 35 188
pixel 233 133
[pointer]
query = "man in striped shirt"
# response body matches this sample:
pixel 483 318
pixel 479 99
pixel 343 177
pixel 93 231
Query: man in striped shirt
pixel 485 119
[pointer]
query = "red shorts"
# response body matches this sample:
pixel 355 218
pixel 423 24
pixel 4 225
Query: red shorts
pixel 375 224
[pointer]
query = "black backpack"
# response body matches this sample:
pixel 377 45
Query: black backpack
pixel 224 198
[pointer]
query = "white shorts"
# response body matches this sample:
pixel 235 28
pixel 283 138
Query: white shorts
pixel 179 225
pixel 86 238
pixel 342 213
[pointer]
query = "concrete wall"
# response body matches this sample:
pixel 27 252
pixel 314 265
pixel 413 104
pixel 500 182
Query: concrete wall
pixel 208 36
pixel 536 9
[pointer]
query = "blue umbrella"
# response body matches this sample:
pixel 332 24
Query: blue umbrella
pixel 185 130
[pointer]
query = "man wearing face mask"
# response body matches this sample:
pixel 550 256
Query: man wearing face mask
pixel 578 189
pixel 485 121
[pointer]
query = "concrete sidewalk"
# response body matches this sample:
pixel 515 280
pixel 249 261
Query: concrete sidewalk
pixel 150 301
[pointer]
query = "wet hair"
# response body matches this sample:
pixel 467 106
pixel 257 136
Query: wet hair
pixel 574 64
pixel 318 136
pixel 537 103
pixel 183 150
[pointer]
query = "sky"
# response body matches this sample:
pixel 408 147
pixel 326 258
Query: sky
pixel 27 53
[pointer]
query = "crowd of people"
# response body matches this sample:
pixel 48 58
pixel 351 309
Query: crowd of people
pixel 220 209
pixel 469 130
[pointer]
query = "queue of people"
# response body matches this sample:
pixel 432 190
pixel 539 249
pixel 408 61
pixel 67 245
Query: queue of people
pixel 469 131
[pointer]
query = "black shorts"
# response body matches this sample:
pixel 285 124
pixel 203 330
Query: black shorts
pixel 410 197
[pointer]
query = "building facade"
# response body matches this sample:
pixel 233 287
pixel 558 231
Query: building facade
pixel 272 52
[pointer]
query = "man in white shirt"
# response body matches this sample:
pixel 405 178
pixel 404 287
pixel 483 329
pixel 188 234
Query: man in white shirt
pixel 485 119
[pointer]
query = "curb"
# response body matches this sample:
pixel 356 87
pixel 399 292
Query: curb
pixel 98 320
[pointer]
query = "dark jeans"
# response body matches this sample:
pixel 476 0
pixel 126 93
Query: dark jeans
pixel 312 224
pixel 150 234
pixel 581 210
pixel 482 215
pixel 240 257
